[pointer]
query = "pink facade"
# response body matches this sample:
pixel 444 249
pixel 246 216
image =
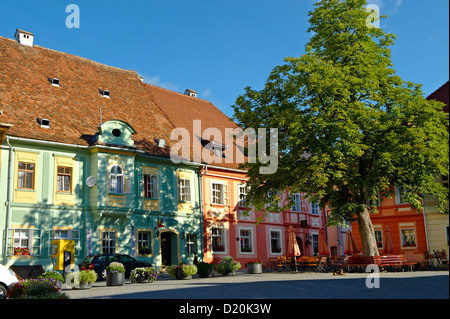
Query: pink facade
pixel 228 231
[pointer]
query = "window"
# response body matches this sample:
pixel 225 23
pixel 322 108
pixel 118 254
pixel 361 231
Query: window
pixel 275 242
pixel 116 179
pixel 184 189
pixel 144 244
pixel 314 209
pixel 66 234
pixel 315 243
pixel 29 238
pixel 108 242
pixel 190 244
pixel 245 238
pixel 151 186
pixel 379 238
pixel 400 195
pixel 219 194
pixel 408 237
pixel 26 176
pixel 218 239
pixel 242 191
pixel 298 204
pixel 64 179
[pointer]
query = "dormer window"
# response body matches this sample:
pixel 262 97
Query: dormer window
pixel 105 93
pixel 190 93
pixel 44 122
pixel 55 82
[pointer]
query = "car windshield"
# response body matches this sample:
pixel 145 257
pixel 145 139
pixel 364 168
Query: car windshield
pixel 88 259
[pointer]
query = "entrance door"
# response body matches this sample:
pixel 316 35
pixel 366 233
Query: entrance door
pixel 166 244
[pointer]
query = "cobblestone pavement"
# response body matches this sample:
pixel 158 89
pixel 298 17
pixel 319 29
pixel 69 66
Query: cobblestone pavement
pixel 391 285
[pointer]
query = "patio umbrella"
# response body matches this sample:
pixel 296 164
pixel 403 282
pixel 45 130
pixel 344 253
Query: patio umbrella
pixel 292 249
pixel 388 248
pixel 350 247
pixel 323 248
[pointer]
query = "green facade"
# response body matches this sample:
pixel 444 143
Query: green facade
pixel 133 191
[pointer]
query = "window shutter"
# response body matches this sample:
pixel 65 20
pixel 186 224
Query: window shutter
pixel 127 184
pixel 226 195
pixel 10 242
pixel 141 185
pixel 36 242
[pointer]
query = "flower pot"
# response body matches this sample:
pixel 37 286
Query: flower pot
pixel 180 274
pixel 208 274
pixel 141 279
pixel 84 285
pixel 115 279
pixel 254 268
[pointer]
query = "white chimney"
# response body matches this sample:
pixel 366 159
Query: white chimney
pixel 190 92
pixel 24 37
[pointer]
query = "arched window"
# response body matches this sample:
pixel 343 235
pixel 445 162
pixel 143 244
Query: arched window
pixel 116 179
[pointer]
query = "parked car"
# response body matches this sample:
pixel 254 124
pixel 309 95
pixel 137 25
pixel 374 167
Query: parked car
pixel 7 278
pixel 99 263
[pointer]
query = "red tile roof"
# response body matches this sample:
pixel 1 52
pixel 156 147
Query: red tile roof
pixel 441 95
pixel 26 94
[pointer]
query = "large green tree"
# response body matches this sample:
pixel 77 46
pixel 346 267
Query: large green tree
pixel 348 126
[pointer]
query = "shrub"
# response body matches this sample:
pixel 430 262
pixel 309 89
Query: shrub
pixel 52 275
pixel 115 267
pixel 149 273
pixel 89 276
pixel 227 264
pixel 44 288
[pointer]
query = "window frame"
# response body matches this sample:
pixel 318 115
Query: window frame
pixel 183 195
pixel 242 195
pixel 108 249
pixel 58 174
pixel 248 238
pixel 151 186
pixel 279 242
pixel 25 179
pixel 403 237
pixel 117 176
pixel 140 241
pixel 34 235
pixel 222 237
pixel 191 244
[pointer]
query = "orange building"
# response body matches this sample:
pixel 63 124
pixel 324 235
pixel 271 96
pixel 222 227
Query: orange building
pixel 406 226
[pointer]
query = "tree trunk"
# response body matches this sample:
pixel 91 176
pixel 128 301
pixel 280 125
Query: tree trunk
pixel 367 233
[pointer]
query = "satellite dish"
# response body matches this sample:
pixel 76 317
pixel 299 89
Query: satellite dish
pixel 91 181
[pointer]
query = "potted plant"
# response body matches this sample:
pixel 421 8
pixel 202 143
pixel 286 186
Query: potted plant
pixel 205 270
pixel 25 251
pixel 17 251
pixel 143 274
pixel 115 274
pixel 227 266
pixel 87 278
pixel 254 267
pixel 182 271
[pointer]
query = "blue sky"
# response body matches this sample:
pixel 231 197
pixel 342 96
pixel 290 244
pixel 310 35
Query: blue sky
pixel 217 47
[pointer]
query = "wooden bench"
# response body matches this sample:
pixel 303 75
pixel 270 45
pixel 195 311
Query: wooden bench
pixel 406 262
pixel 380 261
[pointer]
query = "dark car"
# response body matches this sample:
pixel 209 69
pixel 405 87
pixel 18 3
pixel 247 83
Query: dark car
pixel 99 263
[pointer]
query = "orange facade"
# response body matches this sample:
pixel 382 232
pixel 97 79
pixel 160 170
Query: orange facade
pixel 246 235
pixel 406 226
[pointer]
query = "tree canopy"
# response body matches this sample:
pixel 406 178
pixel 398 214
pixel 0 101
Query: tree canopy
pixel 349 128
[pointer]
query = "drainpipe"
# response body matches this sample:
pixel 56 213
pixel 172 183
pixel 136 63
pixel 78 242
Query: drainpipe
pixel 200 187
pixel 8 198
pixel 425 223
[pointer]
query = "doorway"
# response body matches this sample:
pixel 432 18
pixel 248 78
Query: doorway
pixel 169 250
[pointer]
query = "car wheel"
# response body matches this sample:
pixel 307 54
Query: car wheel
pixel 103 274
pixel 3 292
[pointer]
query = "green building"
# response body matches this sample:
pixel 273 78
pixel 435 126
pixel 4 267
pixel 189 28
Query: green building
pixel 85 156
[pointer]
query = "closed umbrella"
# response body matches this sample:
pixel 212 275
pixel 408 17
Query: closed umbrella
pixel 323 247
pixel 350 247
pixel 292 249
pixel 388 248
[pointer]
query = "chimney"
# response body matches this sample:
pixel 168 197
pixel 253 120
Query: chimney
pixel 24 37
pixel 190 92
